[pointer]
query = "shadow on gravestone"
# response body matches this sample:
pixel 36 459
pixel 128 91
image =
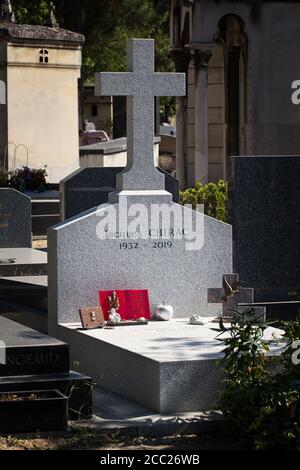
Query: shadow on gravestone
pixel 89 187
pixel 15 219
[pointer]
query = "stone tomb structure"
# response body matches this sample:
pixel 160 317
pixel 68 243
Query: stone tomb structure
pixel 111 153
pixel 174 266
pixel 39 71
pixel 33 361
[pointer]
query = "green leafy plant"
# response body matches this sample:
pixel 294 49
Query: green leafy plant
pixel 106 25
pixel 212 195
pixel 258 398
pixel 292 337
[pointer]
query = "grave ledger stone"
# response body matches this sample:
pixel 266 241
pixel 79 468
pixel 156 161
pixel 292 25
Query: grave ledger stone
pixel 176 266
pixel 33 361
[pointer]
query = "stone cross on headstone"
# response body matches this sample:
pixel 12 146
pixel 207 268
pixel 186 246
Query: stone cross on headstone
pixel 140 84
pixel 230 295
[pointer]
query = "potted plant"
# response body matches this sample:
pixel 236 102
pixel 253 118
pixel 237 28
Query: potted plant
pixel 31 411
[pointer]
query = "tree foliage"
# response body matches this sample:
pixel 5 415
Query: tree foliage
pixel 260 395
pixel 213 196
pixel 31 12
pixel 106 25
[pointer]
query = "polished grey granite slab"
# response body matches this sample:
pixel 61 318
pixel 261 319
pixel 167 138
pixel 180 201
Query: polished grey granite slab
pixel 163 366
pixel 22 262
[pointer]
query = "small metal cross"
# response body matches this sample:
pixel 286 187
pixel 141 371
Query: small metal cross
pixel 230 295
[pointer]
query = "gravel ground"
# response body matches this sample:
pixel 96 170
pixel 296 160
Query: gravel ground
pixel 39 244
pixel 83 439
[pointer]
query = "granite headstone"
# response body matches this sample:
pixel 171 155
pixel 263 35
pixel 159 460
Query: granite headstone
pixel 15 219
pixel 162 264
pixel 89 187
pixel 2 92
pixel 264 202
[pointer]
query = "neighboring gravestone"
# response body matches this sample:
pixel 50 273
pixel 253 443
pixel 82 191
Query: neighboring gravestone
pixel 264 211
pixel 3 163
pixel 34 361
pixel 89 187
pixel 2 92
pixel 111 153
pixel 17 258
pixel 141 240
pixel 15 219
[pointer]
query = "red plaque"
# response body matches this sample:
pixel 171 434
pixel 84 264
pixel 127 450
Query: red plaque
pixel 134 304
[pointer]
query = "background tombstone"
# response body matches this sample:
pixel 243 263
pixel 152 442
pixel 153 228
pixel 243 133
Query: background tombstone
pixel 2 92
pixel 2 119
pixel 17 258
pixel 264 203
pixel 110 153
pixel 89 187
pixel 15 219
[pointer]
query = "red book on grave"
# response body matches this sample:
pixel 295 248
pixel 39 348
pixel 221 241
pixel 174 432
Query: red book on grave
pixel 134 304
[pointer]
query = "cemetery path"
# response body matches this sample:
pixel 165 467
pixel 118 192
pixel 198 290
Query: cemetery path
pixel 89 440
